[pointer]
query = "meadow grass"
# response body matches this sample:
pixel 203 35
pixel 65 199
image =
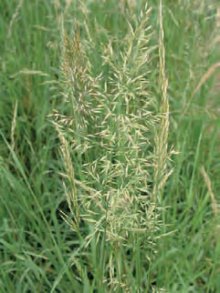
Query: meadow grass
pixel 109 154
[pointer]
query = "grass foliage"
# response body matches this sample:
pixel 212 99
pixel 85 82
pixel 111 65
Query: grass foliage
pixel 109 146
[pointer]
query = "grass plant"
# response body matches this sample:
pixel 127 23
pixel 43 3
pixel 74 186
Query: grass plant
pixel 109 154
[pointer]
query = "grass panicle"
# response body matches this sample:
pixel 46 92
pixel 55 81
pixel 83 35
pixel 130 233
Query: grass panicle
pixel 108 143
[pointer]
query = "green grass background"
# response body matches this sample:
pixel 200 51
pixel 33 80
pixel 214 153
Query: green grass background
pixel 35 242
